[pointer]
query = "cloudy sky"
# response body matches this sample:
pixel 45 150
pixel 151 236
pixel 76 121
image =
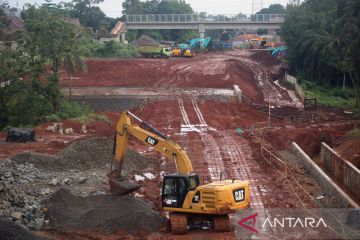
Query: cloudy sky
pixel 112 8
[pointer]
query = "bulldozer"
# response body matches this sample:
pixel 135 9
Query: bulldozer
pixel 188 201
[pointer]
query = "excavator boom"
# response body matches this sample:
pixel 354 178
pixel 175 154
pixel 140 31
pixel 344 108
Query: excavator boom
pixel 152 137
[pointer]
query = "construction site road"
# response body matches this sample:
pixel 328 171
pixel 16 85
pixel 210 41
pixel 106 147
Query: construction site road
pixel 223 137
pixel 219 70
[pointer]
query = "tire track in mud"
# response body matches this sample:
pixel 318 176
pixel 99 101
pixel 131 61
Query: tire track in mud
pixel 212 151
pixel 270 90
pixel 240 169
pixel 230 154
pixel 176 72
pixel 199 114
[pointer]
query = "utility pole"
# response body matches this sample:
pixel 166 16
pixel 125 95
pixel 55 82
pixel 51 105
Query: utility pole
pixel 257 5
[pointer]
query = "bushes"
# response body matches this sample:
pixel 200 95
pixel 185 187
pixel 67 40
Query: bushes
pixel 354 133
pixel 114 49
pixel 25 106
pixel 332 97
pixel 77 112
pixel 72 110
pixel 69 109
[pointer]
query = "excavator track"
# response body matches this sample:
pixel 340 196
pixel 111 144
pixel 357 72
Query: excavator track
pixel 221 224
pixel 178 223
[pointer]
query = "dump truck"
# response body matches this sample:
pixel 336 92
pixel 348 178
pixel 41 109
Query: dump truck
pixel 188 202
pixel 154 51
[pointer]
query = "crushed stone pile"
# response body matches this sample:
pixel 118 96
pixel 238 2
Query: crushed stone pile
pixel 93 153
pixel 18 202
pixel 29 178
pixel 11 231
pixel 86 154
pixel 145 41
pixel 102 212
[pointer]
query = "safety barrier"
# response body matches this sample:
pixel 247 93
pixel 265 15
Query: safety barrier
pixel 286 171
pixel 204 18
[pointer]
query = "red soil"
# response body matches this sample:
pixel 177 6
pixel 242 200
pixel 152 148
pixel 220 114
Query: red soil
pixel 205 71
pixel 350 150
pixel 52 143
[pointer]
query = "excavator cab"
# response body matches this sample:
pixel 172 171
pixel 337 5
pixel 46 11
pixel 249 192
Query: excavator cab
pixel 176 187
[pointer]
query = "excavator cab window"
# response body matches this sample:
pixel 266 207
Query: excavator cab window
pixel 175 189
pixel 193 182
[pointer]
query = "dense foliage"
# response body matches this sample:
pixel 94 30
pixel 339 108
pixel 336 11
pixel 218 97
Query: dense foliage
pixel 114 49
pixel 4 22
pixel 323 40
pixel 273 9
pixel 87 11
pixel 30 71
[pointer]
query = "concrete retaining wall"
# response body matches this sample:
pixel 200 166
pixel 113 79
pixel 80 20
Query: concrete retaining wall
pixel 299 91
pixel 344 171
pixel 329 186
pixel 238 92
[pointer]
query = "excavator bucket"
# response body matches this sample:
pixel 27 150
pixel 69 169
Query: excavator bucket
pixel 122 186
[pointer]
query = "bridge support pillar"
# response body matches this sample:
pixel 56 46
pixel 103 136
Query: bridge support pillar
pixel 123 37
pixel 202 30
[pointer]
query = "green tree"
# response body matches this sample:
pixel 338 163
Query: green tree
pixel 4 23
pixel 273 9
pixel 323 39
pixel 174 7
pixel 72 63
pixel 133 7
pixel 48 37
pixel 159 7
pixel 348 29
pixel 20 103
pixel 89 14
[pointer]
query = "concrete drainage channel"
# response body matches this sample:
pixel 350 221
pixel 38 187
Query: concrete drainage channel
pixel 139 93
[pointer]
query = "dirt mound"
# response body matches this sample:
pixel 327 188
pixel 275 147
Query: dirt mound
pixel 242 76
pixel 11 231
pixel 308 139
pixel 85 154
pixel 350 150
pixel 145 41
pixel 93 153
pixel 102 212
pixel 265 58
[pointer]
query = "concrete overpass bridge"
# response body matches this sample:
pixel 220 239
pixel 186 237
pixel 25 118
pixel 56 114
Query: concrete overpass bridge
pixel 202 22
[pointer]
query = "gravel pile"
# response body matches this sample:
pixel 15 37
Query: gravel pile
pixel 88 154
pixel 145 41
pixel 28 180
pixel 19 201
pixel 82 155
pixel 11 231
pixel 101 212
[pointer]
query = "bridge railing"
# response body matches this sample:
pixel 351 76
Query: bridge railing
pixel 203 18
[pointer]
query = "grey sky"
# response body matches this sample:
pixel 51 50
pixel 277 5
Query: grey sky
pixel 113 8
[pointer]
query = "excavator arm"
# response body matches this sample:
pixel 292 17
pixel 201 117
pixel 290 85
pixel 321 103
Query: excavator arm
pixel 150 136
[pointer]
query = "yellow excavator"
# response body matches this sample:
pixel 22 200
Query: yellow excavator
pixel 187 201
